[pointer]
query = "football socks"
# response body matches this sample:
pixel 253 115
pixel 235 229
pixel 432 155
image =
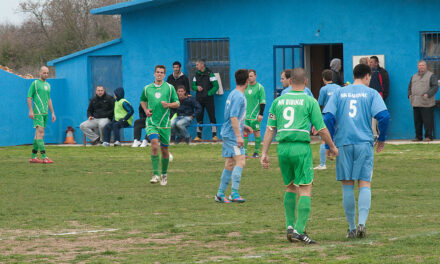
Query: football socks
pixel 364 203
pixel 257 144
pixel 165 162
pixel 236 178
pixel 349 205
pixel 41 147
pixel 289 208
pixel 224 181
pixel 155 164
pixel 246 142
pixel 304 204
pixel 34 149
pixel 322 155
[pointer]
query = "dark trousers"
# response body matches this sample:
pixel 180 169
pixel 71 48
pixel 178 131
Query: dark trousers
pixel 115 126
pixel 137 128
pixel 424 116
pixel 208 104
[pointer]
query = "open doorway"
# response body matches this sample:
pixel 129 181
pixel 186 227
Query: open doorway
pixel 317 58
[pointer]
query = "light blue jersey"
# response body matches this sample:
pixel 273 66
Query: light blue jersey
pixel 306 91
pixel 353 108
pixel 326 92
pixel 235 107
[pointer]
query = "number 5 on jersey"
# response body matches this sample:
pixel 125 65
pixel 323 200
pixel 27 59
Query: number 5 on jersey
pixel 353 109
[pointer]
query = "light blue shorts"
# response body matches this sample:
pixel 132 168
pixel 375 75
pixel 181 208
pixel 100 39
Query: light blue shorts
pixel 355 162
pixel 230 148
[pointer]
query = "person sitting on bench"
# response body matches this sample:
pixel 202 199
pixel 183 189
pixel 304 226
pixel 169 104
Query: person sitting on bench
pixel 188 109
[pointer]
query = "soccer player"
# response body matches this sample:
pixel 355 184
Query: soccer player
pixel 232 134
pixel 39 103
pixel 291 114
pixel 348 116
pixel 324 95
pixel 156 100
pixel 256 101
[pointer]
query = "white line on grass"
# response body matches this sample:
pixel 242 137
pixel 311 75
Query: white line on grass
pixel 67 233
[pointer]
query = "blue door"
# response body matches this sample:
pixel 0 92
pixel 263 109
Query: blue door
pixel 106 71
pixel 285 57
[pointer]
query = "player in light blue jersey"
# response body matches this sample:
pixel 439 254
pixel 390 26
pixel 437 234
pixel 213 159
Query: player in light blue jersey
pixel 348 115
pixel 285 77
pixel 324 95
pixel 233 142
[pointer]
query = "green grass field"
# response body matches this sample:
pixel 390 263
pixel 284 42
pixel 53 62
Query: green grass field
pixel 96 205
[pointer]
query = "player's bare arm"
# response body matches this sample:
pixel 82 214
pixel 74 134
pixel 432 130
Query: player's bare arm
pixel 236 127
pixel 51 110
pixel 169 105
pixel 325 135
pixel 31 111
pixel 268 136
pixel 147 111
pixel 248 129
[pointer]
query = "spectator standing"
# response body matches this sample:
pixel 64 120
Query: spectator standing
pixel 206 85
pixel 421 93
pixel 177 78
pixel 137 130
pixel 123 117
pixel 99 114
pixel 379 82
pixel 39 104
pixel 335 66
pixel 188 109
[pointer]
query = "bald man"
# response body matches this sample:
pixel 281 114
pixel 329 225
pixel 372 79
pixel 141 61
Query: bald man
pixel 39 104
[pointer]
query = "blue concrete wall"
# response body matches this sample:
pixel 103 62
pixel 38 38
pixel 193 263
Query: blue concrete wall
pixel 16 127
pixel 156 36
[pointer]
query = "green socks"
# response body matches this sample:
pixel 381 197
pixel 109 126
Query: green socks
pixel 165 165
pixel 34 149
pixel 303 213
pixel 289 208
pixel 40 144
pixel 155 163
pixel 257 144
pixel 246 142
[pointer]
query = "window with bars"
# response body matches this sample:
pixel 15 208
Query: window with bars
pixel 430 45
pixel 216 54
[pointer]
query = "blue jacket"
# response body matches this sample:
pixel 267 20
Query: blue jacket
pixel 189 107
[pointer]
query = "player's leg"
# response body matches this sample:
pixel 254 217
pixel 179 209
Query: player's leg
pixel 246 137
pixel 153 136
pixel 164 138
pixel 240 162
pixel 40 135
pixel 210 108
pixel 88 128
pixel 344 168
pixel 224 180
pixel 364 204
pixel 322 157
pixel 38 138
pixel 257 135
pixel 198 138
pixel 290 209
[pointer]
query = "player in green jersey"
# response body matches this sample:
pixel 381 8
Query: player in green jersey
pixel 156 100
pixel 291 114
pixel 39 104
pixel 256 101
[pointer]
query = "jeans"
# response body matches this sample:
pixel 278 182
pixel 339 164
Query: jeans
pixel 179 126
pixel 115 126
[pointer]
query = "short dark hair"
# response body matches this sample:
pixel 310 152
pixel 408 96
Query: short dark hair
pixel 299 76
pixel 252 70
pixel 287 73
pixel 241 76
pixel 327 75
pixel 360 71
pixel 202 61
pixel 374 57
pixel 181 87
pixel 177 63
pixel 160 67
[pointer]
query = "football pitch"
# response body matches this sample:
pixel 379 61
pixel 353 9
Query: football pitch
pixel 96 205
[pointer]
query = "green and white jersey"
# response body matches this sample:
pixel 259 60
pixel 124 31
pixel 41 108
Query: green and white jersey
pixel 153 95
pixel 39 91
pixel 254 97
pixel 292 114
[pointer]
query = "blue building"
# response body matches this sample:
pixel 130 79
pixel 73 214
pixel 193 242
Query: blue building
pixel 267 36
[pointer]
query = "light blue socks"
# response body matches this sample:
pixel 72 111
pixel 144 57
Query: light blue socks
pixel 236 178
pixel 322 155
pixel 364 204
pixel 224 181
pixel 349 205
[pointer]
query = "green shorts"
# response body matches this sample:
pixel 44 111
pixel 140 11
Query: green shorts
pixel 40 120
pixel 254 124
pixel 296 163
pixel 164 133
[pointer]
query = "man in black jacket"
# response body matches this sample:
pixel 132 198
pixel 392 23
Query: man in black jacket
pixel 177 78
pixel 99 113
pixel 188 109
pixel 379 78
pixel 206 85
